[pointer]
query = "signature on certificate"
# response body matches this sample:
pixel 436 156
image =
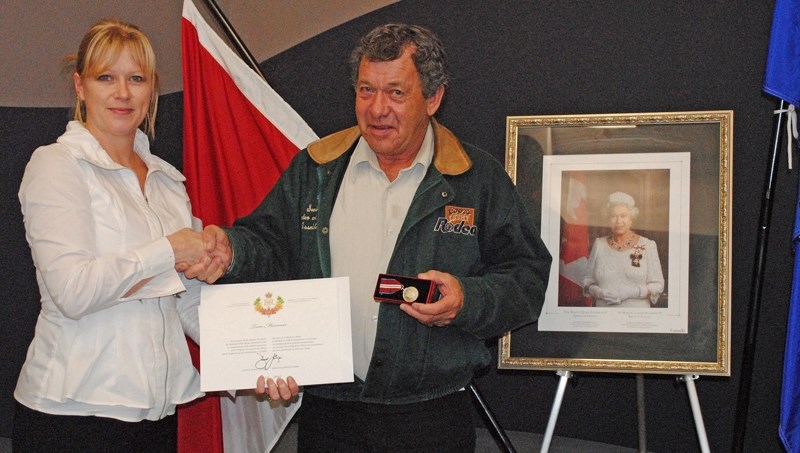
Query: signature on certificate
pixel 264 362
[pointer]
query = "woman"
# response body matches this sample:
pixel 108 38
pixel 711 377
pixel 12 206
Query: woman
pixel 624 269
pixel 107 222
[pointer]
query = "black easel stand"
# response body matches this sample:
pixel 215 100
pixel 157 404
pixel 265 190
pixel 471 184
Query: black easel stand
pixel 497 431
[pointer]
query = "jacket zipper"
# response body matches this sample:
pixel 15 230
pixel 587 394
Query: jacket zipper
pixel 165 401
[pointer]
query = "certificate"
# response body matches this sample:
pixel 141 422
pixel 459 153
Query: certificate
pixel 298 328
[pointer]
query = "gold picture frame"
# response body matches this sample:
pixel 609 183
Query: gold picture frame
pixel 678 166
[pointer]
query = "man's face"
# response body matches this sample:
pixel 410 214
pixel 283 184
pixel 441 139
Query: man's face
pixel 392 112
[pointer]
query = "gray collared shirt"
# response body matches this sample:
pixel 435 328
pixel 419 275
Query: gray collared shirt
pixel 365 222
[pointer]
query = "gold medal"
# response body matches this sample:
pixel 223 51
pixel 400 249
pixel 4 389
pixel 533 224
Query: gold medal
pixel 410 294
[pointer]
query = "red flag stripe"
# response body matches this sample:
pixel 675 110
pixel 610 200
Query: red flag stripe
pixel 232 153
pixel 574 244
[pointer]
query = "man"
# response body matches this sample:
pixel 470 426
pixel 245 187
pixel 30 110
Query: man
pixel 398 194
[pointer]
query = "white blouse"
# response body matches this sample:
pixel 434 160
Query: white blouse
pixel 93 236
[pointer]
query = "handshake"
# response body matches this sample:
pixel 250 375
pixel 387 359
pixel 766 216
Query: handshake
pixel 205 256
pixel 616 296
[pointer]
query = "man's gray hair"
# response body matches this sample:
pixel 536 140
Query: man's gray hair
pixel 387 43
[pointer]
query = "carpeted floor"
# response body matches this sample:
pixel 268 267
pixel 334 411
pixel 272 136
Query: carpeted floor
pixel 521 441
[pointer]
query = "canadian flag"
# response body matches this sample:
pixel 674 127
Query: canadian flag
pixel 574 253
pixel 238 137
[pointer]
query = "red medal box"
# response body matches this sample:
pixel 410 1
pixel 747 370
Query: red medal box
pixel 399 290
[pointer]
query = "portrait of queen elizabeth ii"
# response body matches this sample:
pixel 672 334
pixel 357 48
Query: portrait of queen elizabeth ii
pixel 624 269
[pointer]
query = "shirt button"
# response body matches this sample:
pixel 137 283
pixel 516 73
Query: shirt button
pixel 377 363
pixel 324 230
pixel 444 194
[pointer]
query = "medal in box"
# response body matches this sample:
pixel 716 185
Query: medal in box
pixel 398 289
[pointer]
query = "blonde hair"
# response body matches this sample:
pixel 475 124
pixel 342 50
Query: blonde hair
pixel 100 48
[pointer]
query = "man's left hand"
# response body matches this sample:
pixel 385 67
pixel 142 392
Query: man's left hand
pixel 280 390
pixel 442 312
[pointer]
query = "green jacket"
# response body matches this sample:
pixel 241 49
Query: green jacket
pixel 466 219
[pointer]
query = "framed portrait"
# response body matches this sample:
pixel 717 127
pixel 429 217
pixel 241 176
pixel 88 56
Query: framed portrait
pixel 636 211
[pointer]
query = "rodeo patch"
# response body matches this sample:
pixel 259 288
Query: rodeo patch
pixel 457 220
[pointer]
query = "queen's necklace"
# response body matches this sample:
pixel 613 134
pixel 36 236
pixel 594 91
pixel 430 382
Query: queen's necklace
pixel 628 243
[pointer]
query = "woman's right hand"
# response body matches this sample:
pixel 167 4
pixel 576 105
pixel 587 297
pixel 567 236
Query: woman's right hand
pixel 220 254
pixel 188 246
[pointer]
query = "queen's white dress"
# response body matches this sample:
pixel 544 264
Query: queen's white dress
pixel 615 270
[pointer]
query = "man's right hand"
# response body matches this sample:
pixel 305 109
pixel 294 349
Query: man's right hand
pixel 217 245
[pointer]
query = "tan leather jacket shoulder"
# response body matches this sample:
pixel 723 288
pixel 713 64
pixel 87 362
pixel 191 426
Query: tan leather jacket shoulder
pixel 449 155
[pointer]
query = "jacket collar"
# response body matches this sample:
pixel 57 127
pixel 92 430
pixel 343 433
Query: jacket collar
pixel 449 156
pixel 84 146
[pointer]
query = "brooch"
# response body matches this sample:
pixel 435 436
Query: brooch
pixel 636 256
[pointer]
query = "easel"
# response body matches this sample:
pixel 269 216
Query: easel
pixel 498 433
pixel 690 388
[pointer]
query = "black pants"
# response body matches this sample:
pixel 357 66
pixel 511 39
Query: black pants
pixel 39 432
pixel 441 425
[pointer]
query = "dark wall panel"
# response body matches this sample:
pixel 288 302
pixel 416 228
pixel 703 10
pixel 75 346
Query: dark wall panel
pixel 21 131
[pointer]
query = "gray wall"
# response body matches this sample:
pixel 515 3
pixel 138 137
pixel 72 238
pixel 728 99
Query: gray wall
pixel 42 33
